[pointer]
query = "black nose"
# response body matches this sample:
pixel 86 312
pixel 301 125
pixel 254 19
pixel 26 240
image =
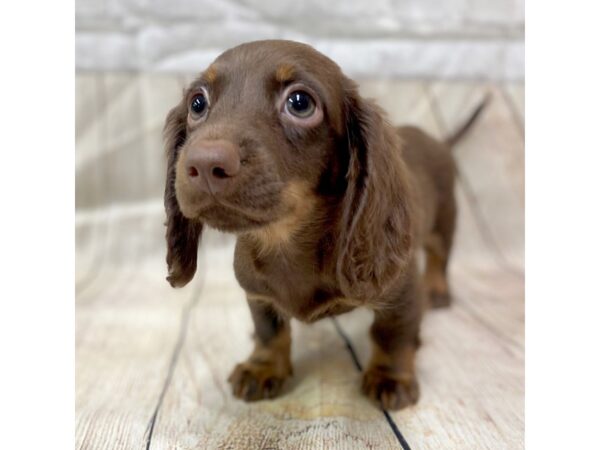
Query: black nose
pixel 212 165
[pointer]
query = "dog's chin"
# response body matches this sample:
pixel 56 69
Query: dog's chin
pixel 233 220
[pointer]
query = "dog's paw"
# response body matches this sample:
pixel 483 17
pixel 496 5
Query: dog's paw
pixel 252 381
pixel 392 391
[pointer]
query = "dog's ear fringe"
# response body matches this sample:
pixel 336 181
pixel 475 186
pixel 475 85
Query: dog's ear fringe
pixel 376 230
pixel 183 235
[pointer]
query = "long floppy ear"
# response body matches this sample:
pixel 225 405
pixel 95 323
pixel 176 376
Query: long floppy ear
pixel 183 235
pixel 375 243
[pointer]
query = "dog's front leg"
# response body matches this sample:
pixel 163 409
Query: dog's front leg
pixel 390 377
pixel 262 375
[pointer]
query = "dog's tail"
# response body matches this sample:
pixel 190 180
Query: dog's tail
pixel 464 128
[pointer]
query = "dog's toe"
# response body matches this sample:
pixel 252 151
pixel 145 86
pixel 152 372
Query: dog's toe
pixel 252 381
pixel 392 391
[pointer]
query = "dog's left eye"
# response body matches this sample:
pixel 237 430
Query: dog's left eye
pixel 300 104
pixel 198 105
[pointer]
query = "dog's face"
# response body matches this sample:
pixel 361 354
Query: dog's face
pixel 261 128
pixel 267 131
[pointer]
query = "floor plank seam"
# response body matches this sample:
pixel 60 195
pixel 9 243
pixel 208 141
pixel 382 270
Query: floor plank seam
pixel 185 320
pixel 348 343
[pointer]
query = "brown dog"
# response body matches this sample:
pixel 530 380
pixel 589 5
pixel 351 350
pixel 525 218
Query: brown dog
pixel 328 202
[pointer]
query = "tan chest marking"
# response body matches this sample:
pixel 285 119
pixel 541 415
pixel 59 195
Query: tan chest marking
pixel 299 202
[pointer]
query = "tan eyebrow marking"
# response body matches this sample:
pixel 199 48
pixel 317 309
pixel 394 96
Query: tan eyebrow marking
pixel 285 72
pixel 210 74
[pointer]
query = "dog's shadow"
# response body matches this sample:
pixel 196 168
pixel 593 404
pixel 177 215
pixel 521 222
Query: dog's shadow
pixel 326 355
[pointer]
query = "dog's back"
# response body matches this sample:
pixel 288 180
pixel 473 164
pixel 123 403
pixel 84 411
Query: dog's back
pixel 433 171
pixel 432 167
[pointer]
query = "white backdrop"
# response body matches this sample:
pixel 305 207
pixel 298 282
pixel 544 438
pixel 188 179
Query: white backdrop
pixel 473 39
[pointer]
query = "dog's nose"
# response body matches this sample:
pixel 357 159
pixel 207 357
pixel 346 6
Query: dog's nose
pixel 211 165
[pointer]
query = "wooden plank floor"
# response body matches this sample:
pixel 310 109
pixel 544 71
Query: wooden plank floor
pixel 152 362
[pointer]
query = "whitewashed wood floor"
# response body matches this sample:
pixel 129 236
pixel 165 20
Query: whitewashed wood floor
pixel 152 362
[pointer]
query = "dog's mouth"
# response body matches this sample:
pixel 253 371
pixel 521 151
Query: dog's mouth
pixel 271 204
pixel 232 218
pixel 242 211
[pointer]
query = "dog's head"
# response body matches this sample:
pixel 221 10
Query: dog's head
pixel 265 132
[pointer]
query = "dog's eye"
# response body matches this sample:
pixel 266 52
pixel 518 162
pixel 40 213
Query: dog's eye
pixel 300 104
pixel 198 105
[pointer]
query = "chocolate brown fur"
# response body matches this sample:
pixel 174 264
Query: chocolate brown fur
pixel 328 217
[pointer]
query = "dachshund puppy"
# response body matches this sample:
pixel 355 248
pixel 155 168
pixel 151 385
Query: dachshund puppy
pixel 328 201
